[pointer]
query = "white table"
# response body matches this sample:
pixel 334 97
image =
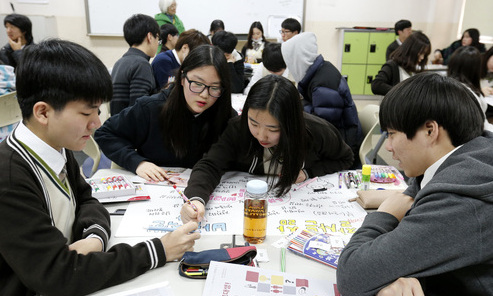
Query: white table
pixel 295 264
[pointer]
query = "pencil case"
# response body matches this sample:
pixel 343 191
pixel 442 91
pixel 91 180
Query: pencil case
pixel 195 265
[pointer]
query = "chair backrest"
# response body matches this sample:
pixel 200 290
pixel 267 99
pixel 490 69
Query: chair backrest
pixel 370 151
pixel 92 150
pixel 10 111
pixel 105 112
pixel 368 116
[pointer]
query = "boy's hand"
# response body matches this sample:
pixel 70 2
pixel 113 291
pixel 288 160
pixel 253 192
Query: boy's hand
pixel 86 246
pixel 189 214
pixel 15 44
pixel 404 287
pixel 181 240
pixel 151 172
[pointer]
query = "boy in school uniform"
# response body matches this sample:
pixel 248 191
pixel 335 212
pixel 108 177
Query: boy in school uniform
pixel 53 234
pixel 227 41
pixel 403 29
pixel 132 74
pixel 290 27
pixel 439 230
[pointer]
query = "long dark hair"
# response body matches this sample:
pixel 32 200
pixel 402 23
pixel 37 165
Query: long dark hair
pixel 465 66
pixel 23 23
pixel 176 117
pixel 259 26
pixel 484 62
pixel 281 99
pixel 408 53
pixel 474 34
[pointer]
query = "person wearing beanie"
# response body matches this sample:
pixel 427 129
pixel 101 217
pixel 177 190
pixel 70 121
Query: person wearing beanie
pixel 168 15
pixel 19 33
pixel 325 92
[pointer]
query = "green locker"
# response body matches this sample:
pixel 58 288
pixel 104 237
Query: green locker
pixel 377 46
pixel 354 51
pixel 363 54
pixel 371 72
pixel 355 75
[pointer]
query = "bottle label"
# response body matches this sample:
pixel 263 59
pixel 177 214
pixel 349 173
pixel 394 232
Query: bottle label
pixel 255 218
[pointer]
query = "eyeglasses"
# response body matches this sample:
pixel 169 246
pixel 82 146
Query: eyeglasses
pixel 285 31
pixel 198 87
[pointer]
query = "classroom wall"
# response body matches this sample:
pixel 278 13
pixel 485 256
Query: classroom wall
pixel 439 19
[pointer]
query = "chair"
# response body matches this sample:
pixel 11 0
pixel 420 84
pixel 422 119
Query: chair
pixel 368 116
pixel 92 150
pixel 370 151
pixel 10 111
pixel 105 112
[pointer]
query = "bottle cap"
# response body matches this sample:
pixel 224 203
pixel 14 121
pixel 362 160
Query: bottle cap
pixel 257 186
pixel 366 169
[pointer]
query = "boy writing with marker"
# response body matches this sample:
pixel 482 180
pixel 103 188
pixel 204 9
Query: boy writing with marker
pixel 53 234
pixel 436 237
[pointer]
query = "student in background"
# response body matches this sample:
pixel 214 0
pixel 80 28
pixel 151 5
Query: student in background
pixel 19 33
pixel 252 50
pixel 273 137
pixel 7 85
pixel 403 29
pixel 168 15
pixel 165 64
pixel 177 126
pixel 132 75
pixel 168 36
pixel 325 92
pixel 53 233
pixel 227 41
pixel 272 63
pixel 289 27
pixel 470 37
pixel 465 66
pixel 216 26
pixel 407 60
pixel 439 230
pixel 487 72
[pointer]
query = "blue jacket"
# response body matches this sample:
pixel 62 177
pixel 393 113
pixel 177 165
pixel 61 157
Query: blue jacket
pixel 164 66
pixel 327 95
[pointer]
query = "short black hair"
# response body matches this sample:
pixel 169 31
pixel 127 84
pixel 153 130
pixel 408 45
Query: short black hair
pixel 431 96
pixel 225 40
pixel 57 72
pixel 465 66
pixel 23 23
pixel 401 25
pixel 292 25
pixel 216 25
pixel 272 57
pixel 136 28
pixel 167 29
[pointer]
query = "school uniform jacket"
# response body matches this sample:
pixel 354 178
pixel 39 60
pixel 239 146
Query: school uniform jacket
pixel 326 153
pixel 164 66
pixel 34 254
pixel 387 77
pixel 445 239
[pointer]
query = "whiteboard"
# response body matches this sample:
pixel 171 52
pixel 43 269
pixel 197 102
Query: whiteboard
pixel 106 17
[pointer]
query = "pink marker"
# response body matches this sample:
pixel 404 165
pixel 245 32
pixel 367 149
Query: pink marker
pixel 185 198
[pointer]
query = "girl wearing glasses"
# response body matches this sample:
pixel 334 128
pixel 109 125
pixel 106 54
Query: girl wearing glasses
pixel 177 126
pixel 273 137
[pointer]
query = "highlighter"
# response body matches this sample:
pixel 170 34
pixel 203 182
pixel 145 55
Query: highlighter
pixel 365 177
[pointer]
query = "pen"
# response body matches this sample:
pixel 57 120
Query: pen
pixel 168 229
pixel 305 183
pixel 346 180
pixel 185 198
pixel 340 180
pixel 283 259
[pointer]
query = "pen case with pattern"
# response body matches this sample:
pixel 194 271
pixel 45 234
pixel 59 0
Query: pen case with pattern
pixel 196 264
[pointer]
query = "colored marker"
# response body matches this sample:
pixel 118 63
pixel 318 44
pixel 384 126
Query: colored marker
pixel 185 198
pixel 305 183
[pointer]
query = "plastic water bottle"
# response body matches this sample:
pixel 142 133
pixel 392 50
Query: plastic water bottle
pixel 255 212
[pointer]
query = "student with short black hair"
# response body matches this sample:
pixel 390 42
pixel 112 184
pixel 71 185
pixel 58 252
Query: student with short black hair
pixel 132 75
pixel 168 36
pixel 175 127
pixel 272 63
pixel 403 29
pixel 227 42
pixel 216 26
pixel 19 33
pixel 289 28
pixel 440 229
pixel 53 233
pixel 273 137
pixel 165 64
